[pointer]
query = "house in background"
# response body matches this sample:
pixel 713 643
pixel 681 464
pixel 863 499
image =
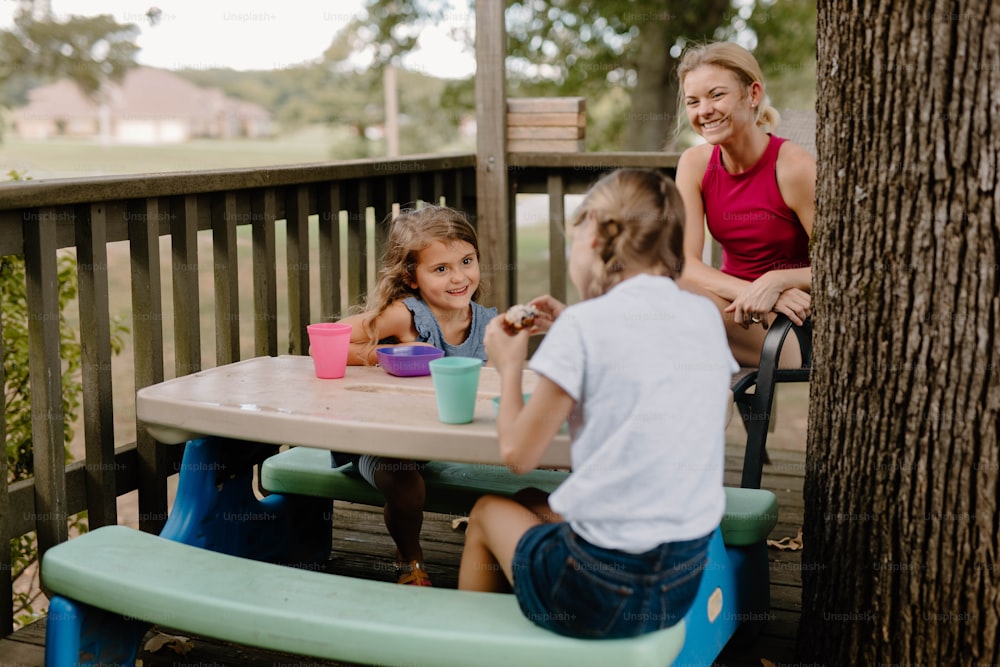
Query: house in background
pixel 149 106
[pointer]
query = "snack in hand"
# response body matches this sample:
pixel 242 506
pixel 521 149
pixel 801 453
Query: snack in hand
pixel 519 317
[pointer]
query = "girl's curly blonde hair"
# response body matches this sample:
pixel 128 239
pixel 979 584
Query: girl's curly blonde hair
pixel 412 231
pixel 640 222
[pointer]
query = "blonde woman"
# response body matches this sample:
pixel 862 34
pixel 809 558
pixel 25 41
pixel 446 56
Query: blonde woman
pixel 755 191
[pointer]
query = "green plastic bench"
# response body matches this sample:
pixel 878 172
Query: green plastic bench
pixel 147 578
pixel 454 487
pixel 451 487
pixel 107 586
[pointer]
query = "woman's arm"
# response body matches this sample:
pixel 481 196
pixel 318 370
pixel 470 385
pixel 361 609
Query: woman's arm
pixel 796 174
pixel 786 290
pixel 690 170
pixel 396 322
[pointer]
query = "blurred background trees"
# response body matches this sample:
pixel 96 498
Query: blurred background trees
pixel 618 54
pixel 89 50
pixel 621 55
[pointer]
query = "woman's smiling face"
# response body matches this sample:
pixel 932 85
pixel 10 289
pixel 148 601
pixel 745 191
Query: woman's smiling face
pixel 717 103
pixel 446 274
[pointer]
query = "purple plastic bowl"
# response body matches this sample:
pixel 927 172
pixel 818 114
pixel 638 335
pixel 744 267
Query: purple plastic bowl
pixel 407 360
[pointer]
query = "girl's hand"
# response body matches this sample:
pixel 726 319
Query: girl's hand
pixel 506 353
pixel 549 308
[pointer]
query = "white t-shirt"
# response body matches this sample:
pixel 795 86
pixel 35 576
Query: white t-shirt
pixel 650 369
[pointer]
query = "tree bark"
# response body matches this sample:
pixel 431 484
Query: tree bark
pixel 902 532
pixel 653 118
pixel 654 97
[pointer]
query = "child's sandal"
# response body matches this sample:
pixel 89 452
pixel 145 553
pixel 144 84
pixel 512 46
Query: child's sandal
pixel 413 574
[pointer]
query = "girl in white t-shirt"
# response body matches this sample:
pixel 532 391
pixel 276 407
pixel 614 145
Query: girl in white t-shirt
pixel 641 369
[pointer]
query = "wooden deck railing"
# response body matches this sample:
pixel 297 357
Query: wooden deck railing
pixel 343 200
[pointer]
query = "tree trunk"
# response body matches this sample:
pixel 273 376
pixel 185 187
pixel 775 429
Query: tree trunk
pixel 653 118
pixel 902 532
pixel 654 97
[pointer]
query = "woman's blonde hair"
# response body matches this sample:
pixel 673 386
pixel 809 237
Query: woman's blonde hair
pixel 639 218
pixel 733 57
pixel 410 232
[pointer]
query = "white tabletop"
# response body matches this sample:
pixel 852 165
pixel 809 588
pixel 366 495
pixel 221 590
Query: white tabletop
pixel 280 400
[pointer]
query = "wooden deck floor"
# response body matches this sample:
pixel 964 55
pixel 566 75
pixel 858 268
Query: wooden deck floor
pixel 363 549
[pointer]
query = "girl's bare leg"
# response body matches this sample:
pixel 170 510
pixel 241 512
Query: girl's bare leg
pixel 403 487
pixel 537 501
pixel 496 524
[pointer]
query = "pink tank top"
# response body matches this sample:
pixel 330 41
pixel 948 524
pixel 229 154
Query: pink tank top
pixel 749 218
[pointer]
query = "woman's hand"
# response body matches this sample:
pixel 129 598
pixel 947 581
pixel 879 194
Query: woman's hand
pixel 761 297
pixel 549 308
pixel 505 352
pixel 752 305
pixel 796 304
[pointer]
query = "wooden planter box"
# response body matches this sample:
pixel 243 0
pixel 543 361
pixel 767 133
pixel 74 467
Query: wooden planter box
pixel 546 124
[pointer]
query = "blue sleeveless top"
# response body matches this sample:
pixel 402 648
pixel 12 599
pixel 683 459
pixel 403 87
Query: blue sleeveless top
pixel 429 331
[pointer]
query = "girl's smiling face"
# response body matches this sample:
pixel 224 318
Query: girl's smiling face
pixel 717 103
pixel 446 275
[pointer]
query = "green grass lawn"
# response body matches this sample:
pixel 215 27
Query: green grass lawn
pixel 65 158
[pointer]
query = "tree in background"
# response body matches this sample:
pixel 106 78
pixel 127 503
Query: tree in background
pixel 900 565
pixel 619 54
pixel 89 50
pixel 584 46
pixel 347 97
pixel 601 50
pixel 411 102
pixel 580 47
pixel 784 43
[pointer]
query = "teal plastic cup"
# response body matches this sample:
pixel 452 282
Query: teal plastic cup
pixel 456 383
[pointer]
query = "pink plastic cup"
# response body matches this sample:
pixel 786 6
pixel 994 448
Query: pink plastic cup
pixel 328 345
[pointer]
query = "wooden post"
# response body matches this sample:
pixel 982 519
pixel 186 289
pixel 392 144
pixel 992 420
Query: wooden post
pixel 6 559
pixel 44 363
pixel 95 366
pixel 389 87
pixel 493 220
pixel 142 217
pixel 225 271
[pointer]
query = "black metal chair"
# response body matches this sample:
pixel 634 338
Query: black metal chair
pixel 754 390
pixel 754 387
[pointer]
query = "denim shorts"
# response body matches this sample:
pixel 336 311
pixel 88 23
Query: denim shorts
pixel 569 586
